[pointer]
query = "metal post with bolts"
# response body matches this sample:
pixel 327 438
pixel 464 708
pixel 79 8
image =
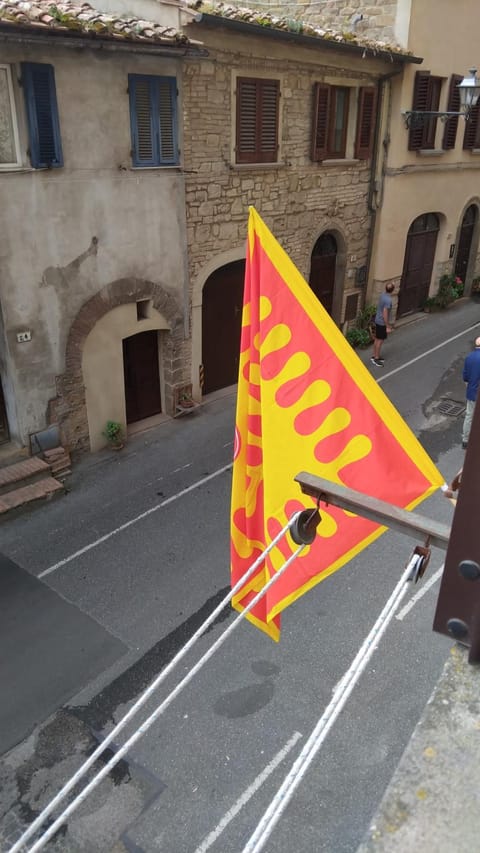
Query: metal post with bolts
pixel 458 605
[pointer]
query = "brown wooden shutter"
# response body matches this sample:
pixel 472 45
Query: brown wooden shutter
pixel 420 102
pixel 268 115
pixel 321 108
pixel 257 120
pixel 367 102
pixel 472 130
pixel 453 105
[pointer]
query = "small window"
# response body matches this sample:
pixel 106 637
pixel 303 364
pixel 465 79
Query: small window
pixel 42 115
pixel 9 148
pixel 257 120
pixel 426 98
pixel 330 121
pixel 153 119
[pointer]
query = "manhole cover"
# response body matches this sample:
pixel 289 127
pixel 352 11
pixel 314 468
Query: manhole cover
pixel 451 407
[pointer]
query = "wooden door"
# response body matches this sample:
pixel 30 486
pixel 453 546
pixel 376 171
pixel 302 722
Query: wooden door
pixel 418 264
pixel 465 242
pixel 4 431
pixel 142 376
pixel 221 326
pixel 322 270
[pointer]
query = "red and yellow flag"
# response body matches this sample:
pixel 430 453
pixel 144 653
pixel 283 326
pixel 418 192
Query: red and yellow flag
pixel 306 403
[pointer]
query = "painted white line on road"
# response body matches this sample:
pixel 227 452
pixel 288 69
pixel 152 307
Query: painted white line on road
pixel 423 355
pixel 133 521
pixel 418 595
pixel 248 793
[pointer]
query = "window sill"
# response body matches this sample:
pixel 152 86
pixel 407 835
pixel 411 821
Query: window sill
pixel 245 167
pixel 474 151
pixel 172 166
pixel 337 161
pixel 431 152
pixel 8 169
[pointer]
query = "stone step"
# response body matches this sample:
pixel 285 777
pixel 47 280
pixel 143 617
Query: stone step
pixel 41 490
pixel 21 473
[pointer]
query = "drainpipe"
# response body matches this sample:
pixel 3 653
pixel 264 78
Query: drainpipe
pixel 372 208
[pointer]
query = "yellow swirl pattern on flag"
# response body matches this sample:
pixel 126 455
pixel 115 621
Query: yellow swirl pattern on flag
pixel 306 402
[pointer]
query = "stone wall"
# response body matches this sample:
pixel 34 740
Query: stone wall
pixel 378 21
pixel 297 198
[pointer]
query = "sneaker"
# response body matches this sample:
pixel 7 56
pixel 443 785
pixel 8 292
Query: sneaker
pixel 378 362
pixel 381 361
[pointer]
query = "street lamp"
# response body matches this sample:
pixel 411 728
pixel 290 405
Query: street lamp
pixel 469 91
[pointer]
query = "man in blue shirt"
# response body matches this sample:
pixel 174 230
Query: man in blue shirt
pixel 382 324
pixel 471 375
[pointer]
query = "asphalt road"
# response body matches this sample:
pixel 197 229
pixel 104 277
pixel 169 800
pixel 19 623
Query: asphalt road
pixel 140 545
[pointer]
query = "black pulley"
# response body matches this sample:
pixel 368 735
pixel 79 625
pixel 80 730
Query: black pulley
pixel 304 528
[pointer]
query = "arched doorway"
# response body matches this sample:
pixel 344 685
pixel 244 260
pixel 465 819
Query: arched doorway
pixel 142 376
pixel 221 326
pixel 418 263
pixel 465 241
pixel 322 269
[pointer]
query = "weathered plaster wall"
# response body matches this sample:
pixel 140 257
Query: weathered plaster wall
pixel 438 181
pixel 66 234
pixel 298 199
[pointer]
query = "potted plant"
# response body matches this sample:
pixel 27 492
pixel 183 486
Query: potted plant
pixel 113 432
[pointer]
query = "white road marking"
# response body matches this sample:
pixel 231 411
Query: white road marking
pixel 248 793
pixel 423 355
pixel 133 521
pixel 418 595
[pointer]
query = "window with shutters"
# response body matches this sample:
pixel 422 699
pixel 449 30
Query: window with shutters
pixel 153 119
pixel 9 147
pixel 45 147
pixel 257 120
pixel 426 98
pixel 331 116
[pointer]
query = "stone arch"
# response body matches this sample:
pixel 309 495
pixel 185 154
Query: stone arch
pixel 472 262
pixel 68 409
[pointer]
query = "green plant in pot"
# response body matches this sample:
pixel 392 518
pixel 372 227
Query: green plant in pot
pixel 113 432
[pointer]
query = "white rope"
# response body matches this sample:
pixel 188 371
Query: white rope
pixel 341 693
pixel 36 824
pixel 40 843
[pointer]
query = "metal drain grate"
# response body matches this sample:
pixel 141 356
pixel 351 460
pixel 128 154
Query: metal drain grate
pixel 451 407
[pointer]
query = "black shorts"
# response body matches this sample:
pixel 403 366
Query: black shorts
pixel 380 332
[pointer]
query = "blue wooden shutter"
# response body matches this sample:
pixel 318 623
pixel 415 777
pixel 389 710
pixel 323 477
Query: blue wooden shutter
pixel 153 119
pixel 42 115
pixel 142 120
pixel 167 113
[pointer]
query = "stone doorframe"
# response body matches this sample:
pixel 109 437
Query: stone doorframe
pixel 475 201
pixel 220 260
pixel 68 409
pixel 332 227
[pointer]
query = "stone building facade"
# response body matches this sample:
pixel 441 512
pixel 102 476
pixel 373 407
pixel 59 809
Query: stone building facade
pixel 92 226
pixel 302 201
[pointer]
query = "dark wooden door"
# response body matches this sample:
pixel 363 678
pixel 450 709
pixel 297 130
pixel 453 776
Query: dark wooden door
pixel 322 270
pixel 465 242
pixel 142 376
pixel 221 326
pixel 4 432
pixel 418 264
